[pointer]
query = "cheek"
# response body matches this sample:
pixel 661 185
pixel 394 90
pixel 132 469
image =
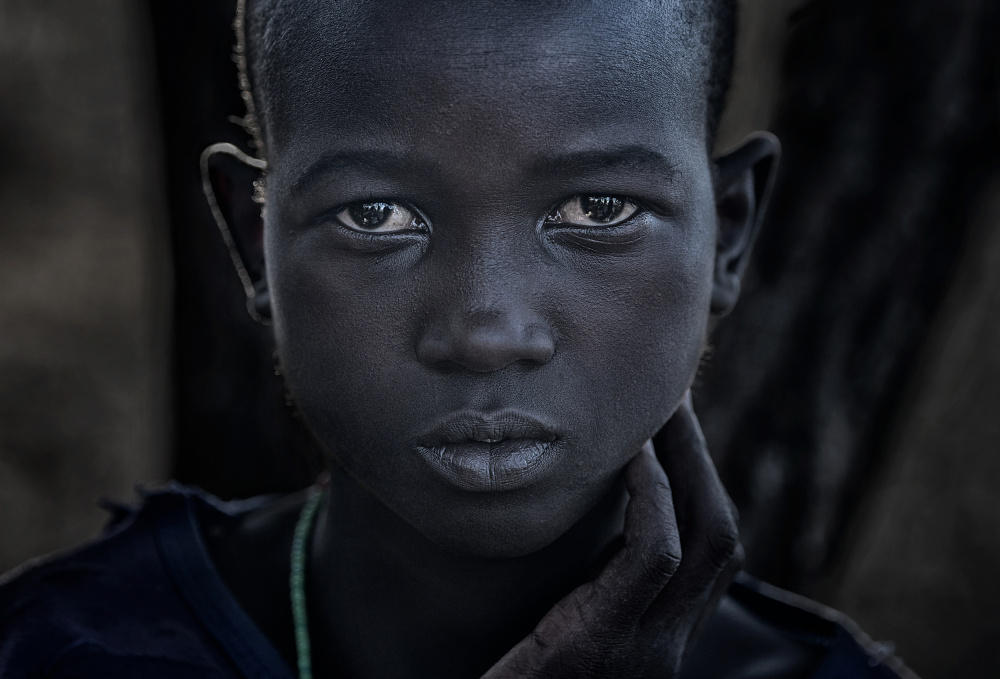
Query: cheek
pixel 340 345
pixel 637 329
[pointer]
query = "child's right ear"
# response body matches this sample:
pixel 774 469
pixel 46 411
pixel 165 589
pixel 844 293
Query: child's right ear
pixel 230 179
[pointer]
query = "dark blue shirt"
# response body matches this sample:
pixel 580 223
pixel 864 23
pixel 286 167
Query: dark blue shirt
pixel 145 600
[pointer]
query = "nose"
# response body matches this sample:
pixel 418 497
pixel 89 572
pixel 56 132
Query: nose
pixel 486 340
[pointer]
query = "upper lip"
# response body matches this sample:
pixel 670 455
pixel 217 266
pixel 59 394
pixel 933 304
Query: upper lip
pixel 487 427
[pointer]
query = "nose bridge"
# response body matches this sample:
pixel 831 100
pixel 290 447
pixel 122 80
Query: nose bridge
pixel 484 318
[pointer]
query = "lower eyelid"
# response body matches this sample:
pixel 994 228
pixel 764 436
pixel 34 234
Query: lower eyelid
pixel 382 235
pixel 377 243
pixel 596 242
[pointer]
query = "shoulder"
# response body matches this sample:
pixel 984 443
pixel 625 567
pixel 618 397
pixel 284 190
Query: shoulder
pixel 109 608
pixel 762 632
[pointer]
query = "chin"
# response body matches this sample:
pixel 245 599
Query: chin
pixel 499 545
pixel 507 531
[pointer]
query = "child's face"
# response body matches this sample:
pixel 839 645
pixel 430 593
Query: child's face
pixel 471 312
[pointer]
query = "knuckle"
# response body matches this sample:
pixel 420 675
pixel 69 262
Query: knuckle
pixel 723 540
pixel 540 639
pixel 661 486
pixel 661 562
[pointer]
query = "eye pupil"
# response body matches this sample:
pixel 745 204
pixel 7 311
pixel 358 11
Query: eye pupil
pixel 601 208
pixel 370 215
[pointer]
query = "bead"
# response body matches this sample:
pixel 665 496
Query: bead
pixel 297 581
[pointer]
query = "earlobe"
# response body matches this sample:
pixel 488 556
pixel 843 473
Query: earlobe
pixel 743 185
pixel 230 180
pixel 259 305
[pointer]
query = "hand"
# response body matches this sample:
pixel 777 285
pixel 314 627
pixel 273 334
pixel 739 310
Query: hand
pixel 681 551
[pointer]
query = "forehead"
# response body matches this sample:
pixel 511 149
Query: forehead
pixel 534 74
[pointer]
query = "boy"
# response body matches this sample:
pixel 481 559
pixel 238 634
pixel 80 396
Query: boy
pixel 492 240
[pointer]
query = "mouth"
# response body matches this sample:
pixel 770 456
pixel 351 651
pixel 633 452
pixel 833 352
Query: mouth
pixel 491 452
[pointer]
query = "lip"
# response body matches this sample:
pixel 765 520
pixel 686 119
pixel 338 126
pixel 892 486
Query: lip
pixel 489 452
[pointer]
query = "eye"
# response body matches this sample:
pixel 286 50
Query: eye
pixel 592 211
pixel 380 217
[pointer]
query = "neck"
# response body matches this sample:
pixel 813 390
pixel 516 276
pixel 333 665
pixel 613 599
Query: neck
pixel 386 601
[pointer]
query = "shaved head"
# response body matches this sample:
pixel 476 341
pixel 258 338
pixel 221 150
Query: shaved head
pixel 288 43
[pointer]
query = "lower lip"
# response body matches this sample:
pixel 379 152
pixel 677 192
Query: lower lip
pixel 490 467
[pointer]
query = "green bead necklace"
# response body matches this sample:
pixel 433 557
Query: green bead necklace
pixel 297 583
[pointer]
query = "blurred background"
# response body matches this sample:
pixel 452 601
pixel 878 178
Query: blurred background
pixel 852 401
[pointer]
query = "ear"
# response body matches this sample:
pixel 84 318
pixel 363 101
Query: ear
pixel 743 184
pixel 230 179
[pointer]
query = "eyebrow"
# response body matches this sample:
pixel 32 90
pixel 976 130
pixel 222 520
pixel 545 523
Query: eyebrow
pixel 621 158
pixel 576 163
pixel 376 162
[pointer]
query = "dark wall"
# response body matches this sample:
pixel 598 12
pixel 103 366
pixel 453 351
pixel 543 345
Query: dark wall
pixel 234 433
pixel 84 270
pixel 889 121
pixel 920 561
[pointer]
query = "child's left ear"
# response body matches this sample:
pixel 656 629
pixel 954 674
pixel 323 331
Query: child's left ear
pixel 743 184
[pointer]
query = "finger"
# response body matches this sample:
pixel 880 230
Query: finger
pixel 597 620
pixel 652 552
pixel 709 535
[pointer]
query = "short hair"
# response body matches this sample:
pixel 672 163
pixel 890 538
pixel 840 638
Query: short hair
pixel 717 17
pixel 721 40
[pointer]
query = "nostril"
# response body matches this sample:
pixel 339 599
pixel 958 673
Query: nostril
pixel 434 351
pixel 539 345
